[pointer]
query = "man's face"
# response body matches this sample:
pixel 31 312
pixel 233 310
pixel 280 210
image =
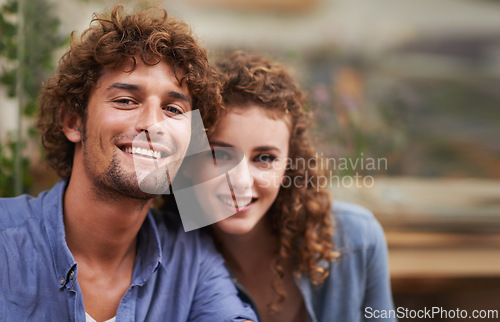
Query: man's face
pixel 136 122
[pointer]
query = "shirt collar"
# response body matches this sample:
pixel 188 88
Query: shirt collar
pixel 305 287
pixel 52 209
pixel 149 252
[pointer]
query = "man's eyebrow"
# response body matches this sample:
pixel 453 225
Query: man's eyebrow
pixel 126 86
pixel 133 87
pixel 180 96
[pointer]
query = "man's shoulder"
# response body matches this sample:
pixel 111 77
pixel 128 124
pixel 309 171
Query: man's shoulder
pixel 24 246
pixel 169 219
pixel 194 271
pixel 171 232
pixel 168 224
pixel 17 210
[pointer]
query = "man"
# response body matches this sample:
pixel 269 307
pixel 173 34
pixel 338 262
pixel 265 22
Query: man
pixel 89 249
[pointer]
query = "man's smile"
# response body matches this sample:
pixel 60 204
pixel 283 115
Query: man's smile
pixel 147 149
pixel 148 153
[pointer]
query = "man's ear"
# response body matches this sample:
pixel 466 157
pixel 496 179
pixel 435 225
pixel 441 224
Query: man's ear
pixel 72 126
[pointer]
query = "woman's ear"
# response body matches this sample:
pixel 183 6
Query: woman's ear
pixel 72 126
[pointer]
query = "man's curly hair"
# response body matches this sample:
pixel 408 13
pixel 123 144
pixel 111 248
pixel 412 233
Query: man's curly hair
pixel 111 41
pixel 300 215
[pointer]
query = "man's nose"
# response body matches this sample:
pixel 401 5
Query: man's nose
pixel 150 118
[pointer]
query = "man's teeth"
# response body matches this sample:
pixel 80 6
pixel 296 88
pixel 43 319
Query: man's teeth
pixel 242 201
pixel 144 152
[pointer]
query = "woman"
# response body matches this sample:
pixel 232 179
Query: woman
pixel 290 255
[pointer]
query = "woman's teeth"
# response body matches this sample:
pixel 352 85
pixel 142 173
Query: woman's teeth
pixel 242 201
pixel 143 152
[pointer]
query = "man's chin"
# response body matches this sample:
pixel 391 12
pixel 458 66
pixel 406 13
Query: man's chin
pixel 155 182
pixel 125 189
pixel 141 183
pixel 151 186
pixel 120 187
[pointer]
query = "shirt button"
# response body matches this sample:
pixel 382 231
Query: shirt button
pixel 61 281
pixel 72 275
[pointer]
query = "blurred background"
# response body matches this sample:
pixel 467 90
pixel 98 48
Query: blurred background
pixel 405 95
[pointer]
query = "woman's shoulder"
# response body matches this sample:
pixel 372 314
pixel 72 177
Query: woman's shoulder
pixel 355 227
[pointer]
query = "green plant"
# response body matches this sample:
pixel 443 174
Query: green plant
pixel 7 167
pixel 28 39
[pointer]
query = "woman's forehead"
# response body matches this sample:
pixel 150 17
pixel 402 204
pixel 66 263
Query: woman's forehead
pixel 274 113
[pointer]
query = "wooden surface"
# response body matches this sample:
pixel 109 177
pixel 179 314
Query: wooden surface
pixel 436 228
pixel 430 204
pixel 434 255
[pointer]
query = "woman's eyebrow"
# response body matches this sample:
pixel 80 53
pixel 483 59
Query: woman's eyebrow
pixel 262 148
pixel 221 144
pixel 267 148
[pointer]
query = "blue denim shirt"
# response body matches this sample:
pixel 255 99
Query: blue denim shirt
pixel 177 276
pixel 359 282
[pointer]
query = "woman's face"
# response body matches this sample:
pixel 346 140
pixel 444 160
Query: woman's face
pixel 262 141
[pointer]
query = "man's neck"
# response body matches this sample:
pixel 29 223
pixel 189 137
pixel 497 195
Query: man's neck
pixel 103 231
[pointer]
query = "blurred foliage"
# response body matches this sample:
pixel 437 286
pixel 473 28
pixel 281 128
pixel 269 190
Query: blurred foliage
pixel 423 127
pixel 7 178
pixel 448 126
pixel 40 39
pixel 443 126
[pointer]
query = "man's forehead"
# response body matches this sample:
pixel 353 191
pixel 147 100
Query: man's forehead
pixel 130 64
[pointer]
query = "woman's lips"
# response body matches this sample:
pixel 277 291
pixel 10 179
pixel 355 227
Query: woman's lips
pixel 242 203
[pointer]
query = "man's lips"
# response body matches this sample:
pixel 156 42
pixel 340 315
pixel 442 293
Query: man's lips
pixel 147 153
pixel 145 150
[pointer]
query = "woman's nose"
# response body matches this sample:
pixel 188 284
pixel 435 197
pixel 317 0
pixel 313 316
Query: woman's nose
pixel 241 179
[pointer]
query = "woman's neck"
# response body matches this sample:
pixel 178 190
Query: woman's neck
pixel 250 252
pixel 251 257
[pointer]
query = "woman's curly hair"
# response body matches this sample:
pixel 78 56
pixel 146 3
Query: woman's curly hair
pixel 110 42
pixel 300 215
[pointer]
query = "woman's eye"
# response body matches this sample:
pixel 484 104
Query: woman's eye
pixel 221 155
pixel 265 158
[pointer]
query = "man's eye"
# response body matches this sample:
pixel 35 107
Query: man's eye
pixel 173 110
pixel 124 101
